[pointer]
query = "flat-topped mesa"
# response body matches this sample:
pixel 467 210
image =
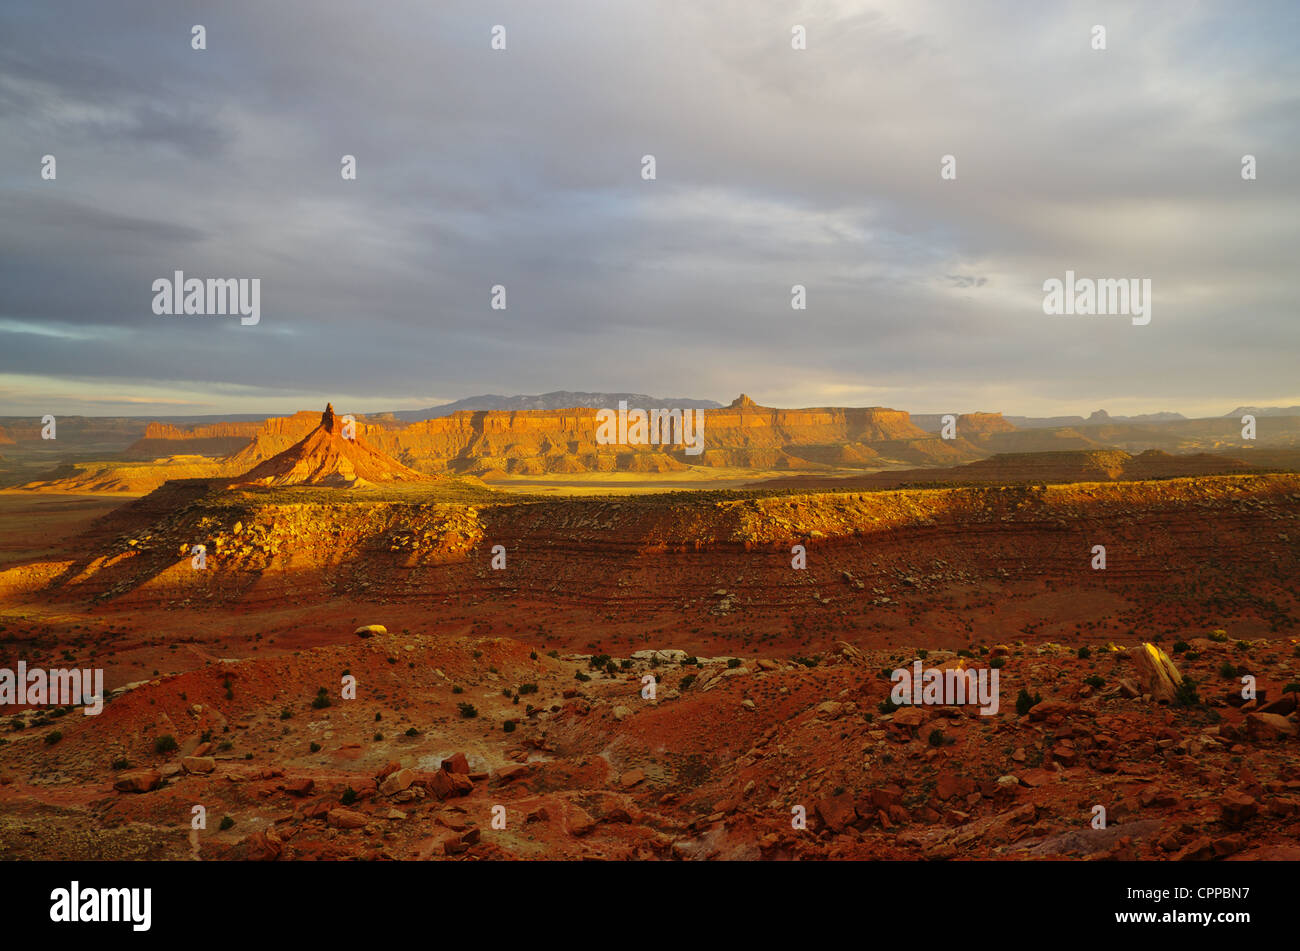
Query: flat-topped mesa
pixel 978 424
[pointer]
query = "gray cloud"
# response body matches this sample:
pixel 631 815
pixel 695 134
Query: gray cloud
pixel 775 167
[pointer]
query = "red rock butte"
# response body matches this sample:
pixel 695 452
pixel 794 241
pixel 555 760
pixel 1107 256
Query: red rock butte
pixel 325 456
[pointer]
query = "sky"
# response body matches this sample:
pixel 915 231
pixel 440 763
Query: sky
pixel 522 167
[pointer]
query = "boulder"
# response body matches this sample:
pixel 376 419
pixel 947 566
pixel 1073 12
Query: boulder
pixel 457 763
pixel 138 781
pixel 396 782
pixel 446 785
pixel 198 764
pixel 1156 673
pixel 1268 726
pixel 341 818
pixel 837 811
pixel 1235 808
pixel 300 787
pixel 370 630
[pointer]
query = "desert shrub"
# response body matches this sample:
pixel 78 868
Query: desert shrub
pixel 53 737
pixel 997 663
pixel 314 746
pixel 321 700
pixel 467 711
pixel 165 744
pixel 1186 695
pixel 349 796
pixel 1084 653
pixel 226 823
pixel 508 726
pixel 733 663
pixel 1025 700
pixel 1095 681
pixel 527 688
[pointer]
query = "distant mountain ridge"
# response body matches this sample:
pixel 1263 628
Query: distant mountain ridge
pixel 558 399
pixel 1265 411
pixel 1097 418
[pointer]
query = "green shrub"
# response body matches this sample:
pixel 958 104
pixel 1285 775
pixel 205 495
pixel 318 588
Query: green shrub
pixel 733 663
pixel 349 796
pixel 1025 700
pixel 467 711
pixel 165 744
pixel 1186 695
pixel 226 823
pixel 508 726
pixel 53 737
pixel 1084 653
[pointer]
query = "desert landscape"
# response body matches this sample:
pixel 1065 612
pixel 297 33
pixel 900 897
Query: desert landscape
pixel 487 636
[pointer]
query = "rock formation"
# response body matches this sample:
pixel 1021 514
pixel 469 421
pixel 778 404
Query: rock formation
pixel 328 456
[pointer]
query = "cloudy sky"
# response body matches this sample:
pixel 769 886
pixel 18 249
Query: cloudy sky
pixel 522 168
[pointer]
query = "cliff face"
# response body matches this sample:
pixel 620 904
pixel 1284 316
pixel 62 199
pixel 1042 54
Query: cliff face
pixel 528 442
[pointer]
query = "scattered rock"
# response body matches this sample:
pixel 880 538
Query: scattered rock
pixel 138 781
